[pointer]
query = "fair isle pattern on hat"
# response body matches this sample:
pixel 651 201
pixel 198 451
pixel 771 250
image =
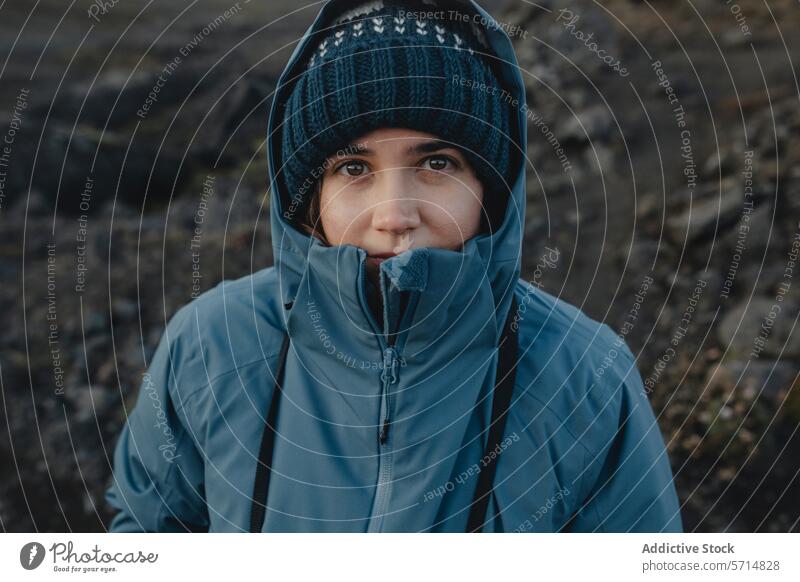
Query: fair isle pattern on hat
pixel 379 26
pixel 371 6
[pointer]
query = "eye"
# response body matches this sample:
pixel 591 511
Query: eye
pixel 439 163
pixel 352 169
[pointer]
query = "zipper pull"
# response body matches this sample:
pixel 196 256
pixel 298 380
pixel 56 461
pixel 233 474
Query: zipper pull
pixel 388 376
pixel 390 362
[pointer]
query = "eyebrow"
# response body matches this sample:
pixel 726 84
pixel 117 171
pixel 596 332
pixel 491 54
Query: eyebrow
pixel 425 147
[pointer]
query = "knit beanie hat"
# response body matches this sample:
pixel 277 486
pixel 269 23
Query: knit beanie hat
pixel 390 63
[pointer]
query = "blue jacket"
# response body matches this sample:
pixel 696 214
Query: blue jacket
pixel 581 452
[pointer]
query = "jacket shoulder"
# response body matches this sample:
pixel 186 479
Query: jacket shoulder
pixel 570 366
pixel 236 324
pixel 549 320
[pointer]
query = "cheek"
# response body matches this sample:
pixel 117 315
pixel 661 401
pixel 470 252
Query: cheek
pixel 341 215
pixel 458 211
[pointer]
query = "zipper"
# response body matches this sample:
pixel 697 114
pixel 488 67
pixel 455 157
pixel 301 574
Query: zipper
pixel 389 377
pixel 385 458
pixel 390 353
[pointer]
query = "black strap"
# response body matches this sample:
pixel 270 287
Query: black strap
pixel 501 398
pixel 261 486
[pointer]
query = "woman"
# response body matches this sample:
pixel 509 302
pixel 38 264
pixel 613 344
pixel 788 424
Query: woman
pixel 392 372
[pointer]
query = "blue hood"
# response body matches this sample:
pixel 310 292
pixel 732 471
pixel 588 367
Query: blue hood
pixel 495 258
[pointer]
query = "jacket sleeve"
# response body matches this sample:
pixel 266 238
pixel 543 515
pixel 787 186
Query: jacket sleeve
pixel 157 482
pixel 631 487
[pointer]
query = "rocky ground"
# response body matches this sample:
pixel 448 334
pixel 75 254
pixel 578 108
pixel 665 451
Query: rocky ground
pixel 659 228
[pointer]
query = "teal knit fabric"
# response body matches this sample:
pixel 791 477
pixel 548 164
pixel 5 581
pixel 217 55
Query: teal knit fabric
pixel 381 68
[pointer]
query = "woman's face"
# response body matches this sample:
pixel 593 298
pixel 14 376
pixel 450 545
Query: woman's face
pixel 397 189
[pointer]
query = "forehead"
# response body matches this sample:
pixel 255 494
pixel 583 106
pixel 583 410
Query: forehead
pixel 398 141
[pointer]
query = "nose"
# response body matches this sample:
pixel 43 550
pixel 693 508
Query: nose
pixel 395 209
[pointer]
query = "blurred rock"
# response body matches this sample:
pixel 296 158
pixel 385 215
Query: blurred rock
pixel 87 166
pixel 743 329
pixel 751 379
pixel 706 217
pixel 90 403
pixel 594 123
pixel 114 100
